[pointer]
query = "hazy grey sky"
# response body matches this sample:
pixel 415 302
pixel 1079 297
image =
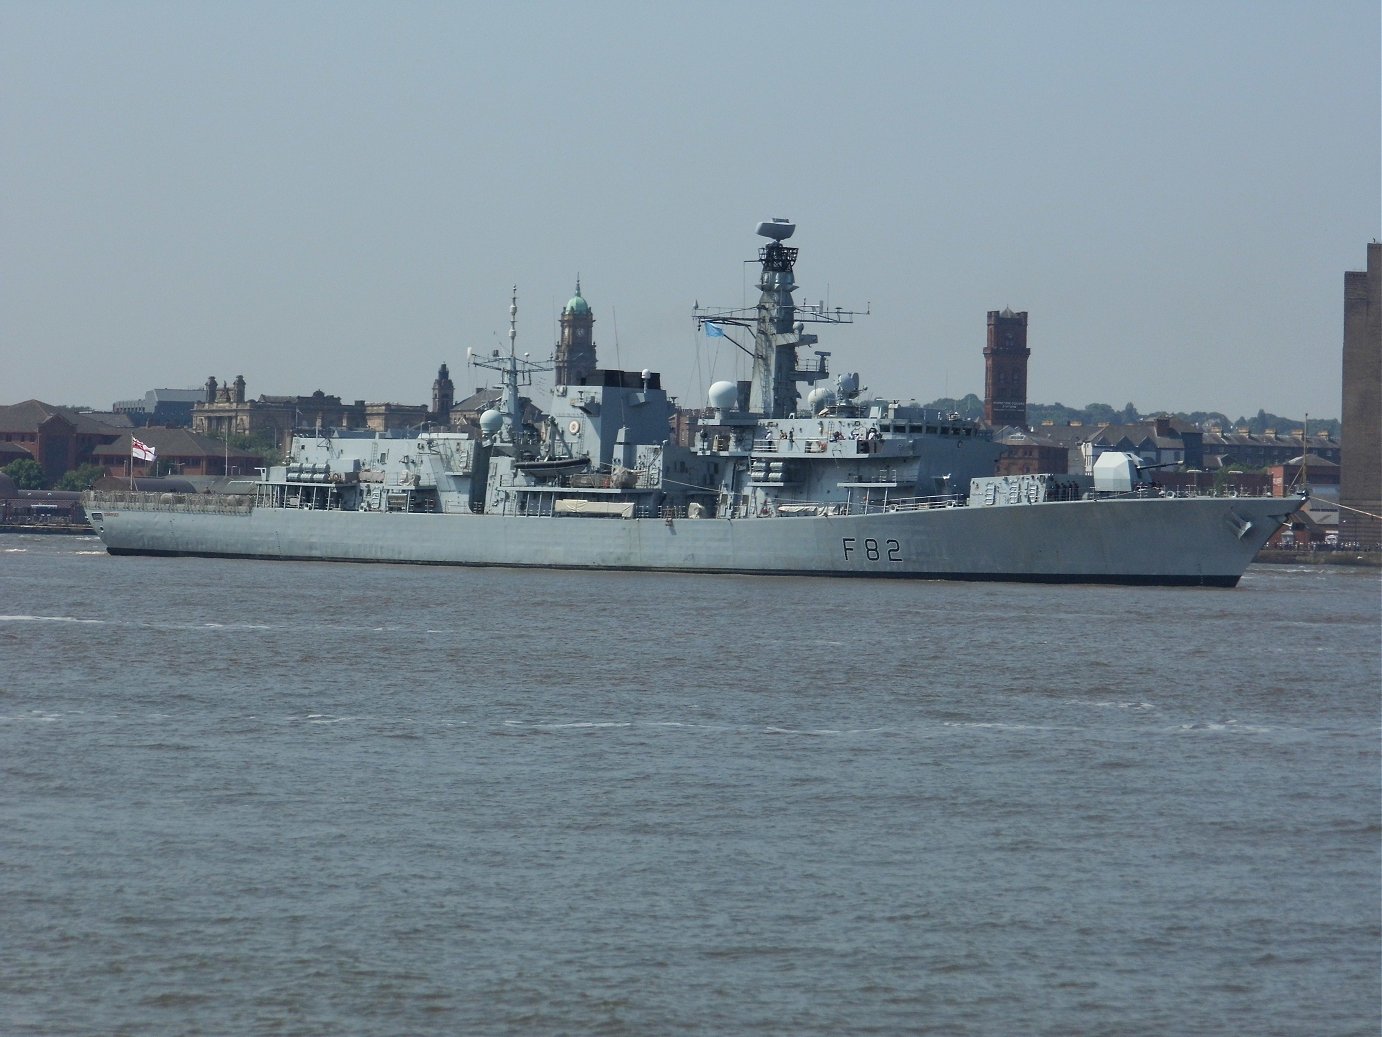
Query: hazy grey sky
pixel 340 195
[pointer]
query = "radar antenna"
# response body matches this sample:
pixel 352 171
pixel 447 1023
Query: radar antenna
pixel 514 372
pixel 777 325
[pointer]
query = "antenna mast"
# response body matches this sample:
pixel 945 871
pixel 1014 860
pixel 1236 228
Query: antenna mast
pixel 778 326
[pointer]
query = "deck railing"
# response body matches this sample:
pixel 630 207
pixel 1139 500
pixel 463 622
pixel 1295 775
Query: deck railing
pixel 135 500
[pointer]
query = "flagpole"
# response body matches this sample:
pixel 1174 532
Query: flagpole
pixel 131 461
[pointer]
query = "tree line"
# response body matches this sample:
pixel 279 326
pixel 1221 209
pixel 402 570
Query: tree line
pixel 27 475
pixel 971 406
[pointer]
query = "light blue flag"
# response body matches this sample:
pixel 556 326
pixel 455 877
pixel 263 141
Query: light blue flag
pixel 713 330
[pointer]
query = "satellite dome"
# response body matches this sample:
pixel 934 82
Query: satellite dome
pixel 723 395
pixel 491 421
pixel 818 398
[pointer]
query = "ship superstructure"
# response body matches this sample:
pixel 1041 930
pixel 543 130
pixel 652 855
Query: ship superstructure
pixel 827 482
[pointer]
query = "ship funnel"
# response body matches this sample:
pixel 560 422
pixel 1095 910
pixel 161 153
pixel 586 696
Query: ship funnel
pixel 777 229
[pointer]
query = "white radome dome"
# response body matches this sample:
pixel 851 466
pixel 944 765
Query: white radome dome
pixel 491 421
pixel 819 398
pixel 723 395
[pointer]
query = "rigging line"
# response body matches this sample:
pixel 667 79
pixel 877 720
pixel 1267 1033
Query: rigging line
pixel 1356 511
pixel 726 334
pixel 746 352
pixel 697 379
pixel 690 485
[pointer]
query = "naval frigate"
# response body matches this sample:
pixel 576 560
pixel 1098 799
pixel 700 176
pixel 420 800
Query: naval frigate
pixel 831 482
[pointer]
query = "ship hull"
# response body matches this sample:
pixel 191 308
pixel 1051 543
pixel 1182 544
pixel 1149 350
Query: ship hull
pixel 1166 541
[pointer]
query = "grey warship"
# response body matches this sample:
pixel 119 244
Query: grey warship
pixel 829 482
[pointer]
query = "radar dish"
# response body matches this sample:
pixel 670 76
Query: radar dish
pixel 777 229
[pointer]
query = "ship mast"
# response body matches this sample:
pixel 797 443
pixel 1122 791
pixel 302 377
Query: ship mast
pixel 775 340
pixel 513 373
pixel 509 405
pixel 778 327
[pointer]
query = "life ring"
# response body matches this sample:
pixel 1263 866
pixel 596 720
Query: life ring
pixel 574 427
pixel 873 433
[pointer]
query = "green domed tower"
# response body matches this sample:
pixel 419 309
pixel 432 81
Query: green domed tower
pixel 575 357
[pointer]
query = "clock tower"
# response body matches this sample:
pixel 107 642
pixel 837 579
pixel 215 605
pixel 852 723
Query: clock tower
pixel 575 357
pixel 443 396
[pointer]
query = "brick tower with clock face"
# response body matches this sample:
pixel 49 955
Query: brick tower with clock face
pixel 575 358
pixel 1005 369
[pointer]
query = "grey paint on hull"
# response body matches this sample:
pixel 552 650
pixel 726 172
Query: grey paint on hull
pixel 1170 541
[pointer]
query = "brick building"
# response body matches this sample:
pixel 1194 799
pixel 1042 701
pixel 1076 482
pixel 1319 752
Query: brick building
pixel 179 452
pixel 1026 451
pixel 58 438
pixel 1308 471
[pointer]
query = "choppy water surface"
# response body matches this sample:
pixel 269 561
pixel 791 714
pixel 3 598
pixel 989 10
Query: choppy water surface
pixel 282 798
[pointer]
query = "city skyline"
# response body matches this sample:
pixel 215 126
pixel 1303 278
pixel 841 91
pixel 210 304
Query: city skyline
pixel 342 197
pixel 969 404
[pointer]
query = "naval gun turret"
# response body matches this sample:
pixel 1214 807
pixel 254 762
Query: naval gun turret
pixel 1118 472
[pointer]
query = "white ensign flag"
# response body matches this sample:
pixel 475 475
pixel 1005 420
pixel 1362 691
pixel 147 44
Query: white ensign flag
pixel 142 450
